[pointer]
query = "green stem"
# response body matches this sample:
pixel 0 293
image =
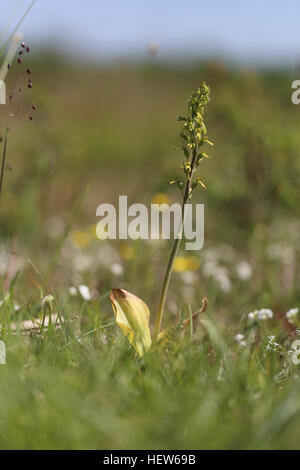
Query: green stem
pixel 174 252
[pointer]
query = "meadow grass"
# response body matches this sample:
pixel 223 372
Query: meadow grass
pixel 92 393
pixel 104 132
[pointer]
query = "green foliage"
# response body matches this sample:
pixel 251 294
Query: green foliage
pixel 102 132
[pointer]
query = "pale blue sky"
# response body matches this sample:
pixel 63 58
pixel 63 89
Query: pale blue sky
pixel 264 31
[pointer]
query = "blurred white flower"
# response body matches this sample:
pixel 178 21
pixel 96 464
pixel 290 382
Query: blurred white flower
pixel 188 277
pixel 265 313
pixel 262 314
pixel 107 255
pixel 209 267
pixel 292 313
pixel 73 291
pixel 281 252
pixel 82 262
pixel 219 273
pixel 85 292
pixel 240 339
pixel 244 270
pixel 117 269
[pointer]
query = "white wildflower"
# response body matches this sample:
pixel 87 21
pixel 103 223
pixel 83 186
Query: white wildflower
pixel 262 314
pixel 82 262
pixel 117 269
pixel 265 314
pixel 281 252
pixel 219 273
pixel 85 292
pixel 244 270
pixel 188 277
pixel 292 313
pixel 240 339
pixel 73 291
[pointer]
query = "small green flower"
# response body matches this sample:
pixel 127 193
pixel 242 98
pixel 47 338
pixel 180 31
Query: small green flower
pixel 194 135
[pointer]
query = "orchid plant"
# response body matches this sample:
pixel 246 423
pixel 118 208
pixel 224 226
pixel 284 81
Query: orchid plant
pixel 131 313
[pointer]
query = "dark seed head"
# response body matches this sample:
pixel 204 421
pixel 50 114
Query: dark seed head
pixel 21 52
pixel 31 118
pixel 10 97
pixel 29 85
pixel 22 44
pixel 34 107
pixel 20 60
pixel 29 71
pixel 27 49
pixel 8 66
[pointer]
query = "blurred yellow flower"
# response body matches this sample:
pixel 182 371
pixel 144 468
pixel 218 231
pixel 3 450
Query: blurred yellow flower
pixel 160 198
pixel 127 251
pixel 188 263
pixel 80 239
pixel 92 231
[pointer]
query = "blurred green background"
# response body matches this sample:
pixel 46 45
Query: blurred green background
pixel 108 89
pixel 101 132
pixel 106 125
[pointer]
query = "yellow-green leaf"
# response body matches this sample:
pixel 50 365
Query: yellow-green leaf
pixel 132 316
